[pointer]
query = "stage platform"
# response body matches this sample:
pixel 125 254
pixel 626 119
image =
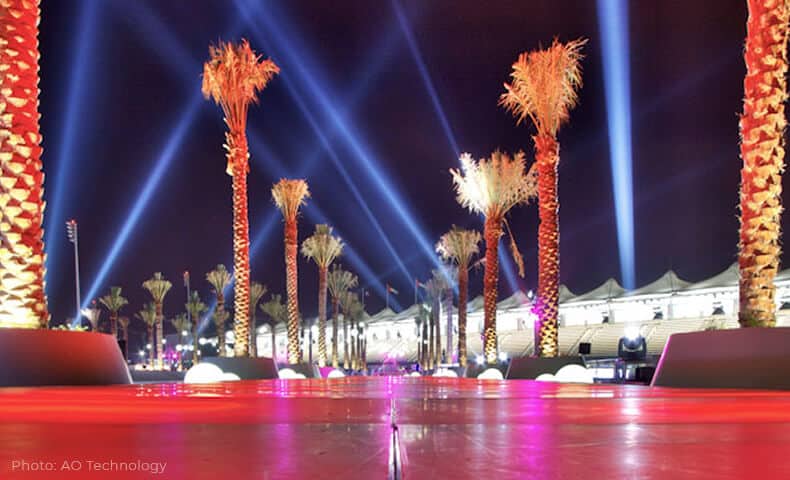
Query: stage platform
pixel 446 429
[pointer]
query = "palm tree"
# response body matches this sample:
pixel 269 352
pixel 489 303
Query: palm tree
pixel 339 282
pixel 158 287
pixel 23 301
pixel 257 291
pixel 544 88
pixel 460 246
pixel 182 325
pixel 93 314
pixel 124 323
pixel 492 187
pixel 437 289
pixel 351 306
pixel 221 316
pixel 149 317
pixel 276 312
pixel 233 76
pixel 289 195
pixel 196 309
pixel 220 278
pixel 322 248
pixel 762 128
pixel 114 301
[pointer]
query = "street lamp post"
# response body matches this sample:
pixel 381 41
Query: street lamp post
pixel 71 230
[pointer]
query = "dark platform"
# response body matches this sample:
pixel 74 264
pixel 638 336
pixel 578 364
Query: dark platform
pixel 448 428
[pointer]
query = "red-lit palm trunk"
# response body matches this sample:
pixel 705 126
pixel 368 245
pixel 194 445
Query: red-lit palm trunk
pixel 22 298
pixel 491 232
pixel 322 316
pixel 463 298
pixel 335 313
pixel 762 149
pixel 238 158
pixel 547 157
pixel 291 277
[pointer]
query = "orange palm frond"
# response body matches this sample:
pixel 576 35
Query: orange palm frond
pixel 544 86
pixel 233 76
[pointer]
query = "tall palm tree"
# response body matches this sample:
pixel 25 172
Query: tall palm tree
pixel 762 128
pixel 339 283
pixel 289 195
pixel 276 312
pixel 220 317
pixel 351 306
pixel 124 324
pixel 544 89
pixel 459 246
pixel 322 248
pixel 492 187
pixel 113 302
pixel 257 291
pixel 233 76
pixel 158 287
pixel 196 309
pixel 23 301
pixel 437 288
pixel 149 317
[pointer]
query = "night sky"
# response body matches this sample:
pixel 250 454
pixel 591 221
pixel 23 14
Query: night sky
pixel 351 94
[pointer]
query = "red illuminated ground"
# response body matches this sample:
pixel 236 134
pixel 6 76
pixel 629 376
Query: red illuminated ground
pixel 449 428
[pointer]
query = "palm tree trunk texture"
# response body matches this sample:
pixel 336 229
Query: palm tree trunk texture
pixel 463 298
pixel 335 308
pixel 547 156
pixel 125 335
pixel 152 341
pixel 346 357
pixel 220 326
pixel 492 231
pixel 762 128
pixel 23 300
pixel 322 316
pixel 195 343
pixel 274 344
pixel 253 347
pixel 448 303
pixel 238 157
pixel 291 276
pixel 114 324
pixel 160 319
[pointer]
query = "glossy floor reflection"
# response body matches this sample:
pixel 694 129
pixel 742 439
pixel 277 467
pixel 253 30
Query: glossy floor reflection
pixel 449 428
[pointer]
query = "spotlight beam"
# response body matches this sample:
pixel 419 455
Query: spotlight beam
pixel 75 96
pixel 613 24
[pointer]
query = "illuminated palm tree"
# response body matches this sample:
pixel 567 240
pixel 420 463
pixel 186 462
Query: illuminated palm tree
pixel 233 76
pixel 182 325
pixel 220 278
pixel 544 89
pixel 438 289
pixel 257 291
pixel 492 187
pixel 23 301
pixel 351 306
pixel 93 314
pixel 158 287
pixel 149 317
pixel 276 312
pixel 460 246
pixel 339 282
pixel 220 317
pixel 322 248
pixel 289 195
pixel 196 309
pixel 762 127
pixel 123 322
pixel 113 302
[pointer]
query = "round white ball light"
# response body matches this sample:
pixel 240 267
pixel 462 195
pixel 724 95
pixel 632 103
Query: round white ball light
pixel 203 373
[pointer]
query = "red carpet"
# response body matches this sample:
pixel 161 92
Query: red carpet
pixel 448 428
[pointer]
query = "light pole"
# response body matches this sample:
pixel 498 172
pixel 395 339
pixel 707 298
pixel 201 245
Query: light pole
pixel 71 230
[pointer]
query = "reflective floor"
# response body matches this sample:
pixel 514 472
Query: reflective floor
pixel 448 428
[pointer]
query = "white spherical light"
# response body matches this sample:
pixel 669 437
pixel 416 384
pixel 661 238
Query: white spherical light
pixel 445 372
pixel 574 374
pixel 203 373
pixel 336 374
pixel 545 377
pixel 230 377
pixel 491 374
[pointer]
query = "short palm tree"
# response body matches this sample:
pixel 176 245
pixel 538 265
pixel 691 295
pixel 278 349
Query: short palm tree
pixel 276 313
pixel 196 309
pixel 233 76
pixel 220 278
pixel 220 320
pixel 339 282
pixel 322 248
pixel 492 187
pixel 158 287
pixel 183 326
pixel 149 318
pixel 437 289
pixel 762 128
pixel 544 89
pixel 113 302
pixel 93 314
pixel 123 322
pixel 289 195
pixel 257 291
pixel 351 307
pixel 460 246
